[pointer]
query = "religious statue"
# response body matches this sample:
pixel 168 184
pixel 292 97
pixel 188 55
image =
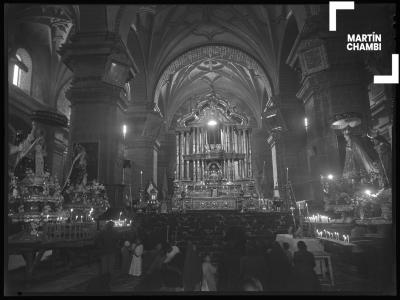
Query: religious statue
pixel 357 158
pixel 384 150
pixel 18 152
pixel 77 175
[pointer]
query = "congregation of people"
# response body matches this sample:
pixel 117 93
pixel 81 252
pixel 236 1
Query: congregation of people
pixel 246 263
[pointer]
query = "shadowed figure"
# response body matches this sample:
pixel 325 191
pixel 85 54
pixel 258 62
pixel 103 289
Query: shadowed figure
pixel 192 269
pixel 125 258
pixel 279 268
pixel 304 277
pixel 107 242
pixel 229 271
pixel 136 263
pixel 253 264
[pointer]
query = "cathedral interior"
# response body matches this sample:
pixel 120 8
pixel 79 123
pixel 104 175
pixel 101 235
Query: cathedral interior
pixel 163 118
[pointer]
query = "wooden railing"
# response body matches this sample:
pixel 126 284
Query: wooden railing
pixel 69 232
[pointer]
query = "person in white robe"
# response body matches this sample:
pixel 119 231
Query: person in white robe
pixel 209 282
pixel 136 263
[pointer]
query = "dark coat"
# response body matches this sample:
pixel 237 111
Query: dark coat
pixel 107 241
pixel 192 271
pixel 304 276
pixel 125 260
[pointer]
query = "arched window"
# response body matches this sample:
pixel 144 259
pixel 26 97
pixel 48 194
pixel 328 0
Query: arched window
pixel 63 104
pixel 22 71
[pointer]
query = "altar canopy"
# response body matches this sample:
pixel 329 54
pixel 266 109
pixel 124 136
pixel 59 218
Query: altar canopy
pixel 213 169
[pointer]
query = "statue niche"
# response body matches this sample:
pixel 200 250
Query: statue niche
pixel 214 172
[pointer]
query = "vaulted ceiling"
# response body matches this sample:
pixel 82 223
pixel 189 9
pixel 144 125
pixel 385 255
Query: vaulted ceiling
pixel 187 50
pixel 225 70
pixel 183 51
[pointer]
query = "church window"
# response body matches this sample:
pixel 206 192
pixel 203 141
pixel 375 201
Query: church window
pixel 22 71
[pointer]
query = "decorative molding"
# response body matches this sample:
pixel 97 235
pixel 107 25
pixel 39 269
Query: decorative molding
pixel 50 117
pixel 215 105
pixel 209 52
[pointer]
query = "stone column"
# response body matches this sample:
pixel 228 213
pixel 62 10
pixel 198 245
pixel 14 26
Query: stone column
pixel 227 138
pixel 201 140
pixel 198 172
pixel 243 173
pixel 101 65
pixel 246 167
pixel 234 140
pixel 181 156
pixel 250 157
pixel 334 81
pixel 143 151
pixel 194 140
pixel 187 139
pixel 177 156
pixel 239 140
pixel 201 170
pixel 223 137
pixel 240 169
pixel 228 148
pixel 275 143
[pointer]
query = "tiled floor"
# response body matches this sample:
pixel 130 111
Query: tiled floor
pixel 76 281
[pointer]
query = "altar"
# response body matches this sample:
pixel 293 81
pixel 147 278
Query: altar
pixel 223 203
pixel 213 170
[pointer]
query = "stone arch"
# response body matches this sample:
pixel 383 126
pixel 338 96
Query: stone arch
pixel 225 52
pixel 125 16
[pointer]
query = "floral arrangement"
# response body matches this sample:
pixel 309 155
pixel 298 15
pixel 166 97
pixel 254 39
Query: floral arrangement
pixel 34 195
pixel 34 201
pixel 92 195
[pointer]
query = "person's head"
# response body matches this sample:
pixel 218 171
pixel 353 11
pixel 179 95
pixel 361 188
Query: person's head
pixel 137 241
pixel 127 244
pixel 276 246
pixel 159 247
pixel 250 249
pixel 252 285
pixel 301 246
pixel 286 246
pixel 109 225
pixel 207 257
pixel 166 247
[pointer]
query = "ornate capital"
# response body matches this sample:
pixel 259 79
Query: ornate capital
pixel 274 136
pixel 272 115
pixel 50 118
pixel 99 54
